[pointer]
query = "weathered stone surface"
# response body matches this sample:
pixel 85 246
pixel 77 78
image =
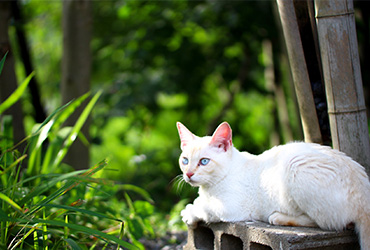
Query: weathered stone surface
pixel 257 235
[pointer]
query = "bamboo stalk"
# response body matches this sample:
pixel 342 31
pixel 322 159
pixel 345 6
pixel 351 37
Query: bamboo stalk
pixel 283 131
pixel 341 67
pixel 310 124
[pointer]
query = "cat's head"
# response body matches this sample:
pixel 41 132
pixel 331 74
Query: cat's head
pixel 204 160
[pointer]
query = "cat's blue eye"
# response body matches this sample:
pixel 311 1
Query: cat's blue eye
pixel 204 161
pixel 185 161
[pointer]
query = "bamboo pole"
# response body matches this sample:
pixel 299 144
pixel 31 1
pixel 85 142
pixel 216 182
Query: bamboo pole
pixel 341 67
pixel 310 124
pixel 280 113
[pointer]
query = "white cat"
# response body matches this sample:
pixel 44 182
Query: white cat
pixel 298 184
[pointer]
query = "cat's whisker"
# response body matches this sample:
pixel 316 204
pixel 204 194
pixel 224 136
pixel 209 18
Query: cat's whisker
pixel 178 182
pixel 175 179
pixel 182 183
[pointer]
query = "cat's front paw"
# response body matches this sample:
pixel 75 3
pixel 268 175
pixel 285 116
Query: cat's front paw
pixel 189 217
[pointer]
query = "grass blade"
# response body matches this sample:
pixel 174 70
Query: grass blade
pixel 73 244
pixel 48 185
pixel 138 190
pixel 11 202
pixel 67 112
pixel 82 211
pixel 76 129
pixel 15 163
pixel 51 116
pixel 14 97
pixel 61 191
pixel 86 230
pixel 2 62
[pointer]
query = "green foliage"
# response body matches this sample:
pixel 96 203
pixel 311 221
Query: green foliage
pixel 2 62
pixel 14 97
pixel 33 210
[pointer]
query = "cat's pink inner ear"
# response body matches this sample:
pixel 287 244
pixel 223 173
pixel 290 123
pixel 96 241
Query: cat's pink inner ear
pixel 185 135
pixel 222 137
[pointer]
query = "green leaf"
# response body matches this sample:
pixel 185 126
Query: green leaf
pixel 11 202
pixel 76 129
pixel 138 190
pixel 50 184
pixel 83 211
pixel 14 97
pixel 67 187
pixel 52 123
pixel 129 203
pixel 135 228
pixel 143 208
pixel 15 163
pixel 86 230
pixel 68 110
pixel 3 216
pixel 2 62
pixel 73 244
pixel 51 116
pixel 35 154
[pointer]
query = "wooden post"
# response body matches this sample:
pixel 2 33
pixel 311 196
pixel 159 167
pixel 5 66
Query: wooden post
pixel 310 123
pixel 341 67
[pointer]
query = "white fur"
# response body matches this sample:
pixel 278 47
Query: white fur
pixel 299 184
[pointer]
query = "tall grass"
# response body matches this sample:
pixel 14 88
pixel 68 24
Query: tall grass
pixel 45 204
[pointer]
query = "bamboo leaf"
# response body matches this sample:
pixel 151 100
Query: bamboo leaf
pixel 14 97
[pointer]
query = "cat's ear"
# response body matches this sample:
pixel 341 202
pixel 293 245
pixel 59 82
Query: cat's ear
pixel 222 137
pixel 185 135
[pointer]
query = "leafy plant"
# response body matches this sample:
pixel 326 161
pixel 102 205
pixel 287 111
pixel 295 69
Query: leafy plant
pixel 48 206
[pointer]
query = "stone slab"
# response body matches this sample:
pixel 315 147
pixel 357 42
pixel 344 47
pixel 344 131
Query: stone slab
pixel 258 235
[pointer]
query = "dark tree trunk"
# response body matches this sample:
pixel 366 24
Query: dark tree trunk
pixel 76 69
pixel 8 80
pixel 39 114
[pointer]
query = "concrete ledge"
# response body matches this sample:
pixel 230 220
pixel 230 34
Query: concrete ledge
pixel 260 236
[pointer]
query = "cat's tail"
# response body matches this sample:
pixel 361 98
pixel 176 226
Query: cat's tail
pixel 363 229
pixel 361 199
pixel 363 223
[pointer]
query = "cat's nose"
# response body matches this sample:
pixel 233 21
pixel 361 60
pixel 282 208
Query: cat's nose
pixel 189 174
